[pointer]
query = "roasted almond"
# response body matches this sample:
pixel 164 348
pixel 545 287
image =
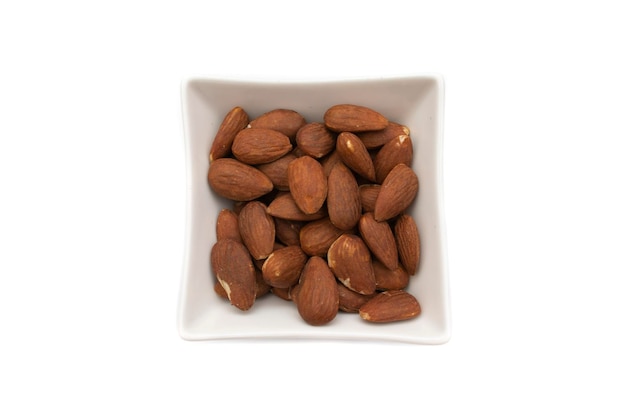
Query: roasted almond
pixel 378 138
pixel 388 279
pixel 379 239
pixel 397 192
pixel 353 118
pixel 318 298
pixel 397 151
pixel 283 267
pixel 260 146
pixel 316 237
pixel 351 262
pixel 368 193
pixel 286 121
pixel 307 184
pixel 257 229
pixel 276 171
pixel 227 226
pixel 350 301
pixel 408 242
pixel 329 162
pixel 354 154
pixel 288 231
pixel 262 287
pixel 237 181
pixel 315 140
pixel 285 207
pixel 388 306
pixel 343 202
pixel 231 263
pixel 234 121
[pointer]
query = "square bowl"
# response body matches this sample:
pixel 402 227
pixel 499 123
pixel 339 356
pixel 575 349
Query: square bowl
pixel 415 101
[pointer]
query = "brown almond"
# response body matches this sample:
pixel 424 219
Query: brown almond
pixel 219 290
pixel 234 121
pixel 262 287
pixel 379 239
pixel 276 171
pixel 283 267
pixel 285 207
pixel 368 193
pixel 259 146
pixel 257 229
pixel 397 151
pixel 351 262
pixel 227 226
pixel 318 299
pixel 315 140
pixel 307 184
pixel 350 301
pixel 283 293
pixel 389 306
pixel 231 263
pixel 237 181
pixel 353 118
pixel 397 192
pixel 354 154
pixel 329 162
pixel 378 138
pixel 408 242
pixel 288 231
pixel 286 121
pixel 316 237
pixel 387 279
pixel 343 202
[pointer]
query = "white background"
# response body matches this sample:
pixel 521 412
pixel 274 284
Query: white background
pixel 92 180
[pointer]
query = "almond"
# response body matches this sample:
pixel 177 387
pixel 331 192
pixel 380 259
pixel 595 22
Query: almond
pixel 259 146
pixel 318 298
pixel 397 192
pixel 316 237
pixel 389 306
pixel 231 263
pixel 285 121
pixel 379 239
pixel 285 207
pixel 368 193
pixel 378 138
pixel 351 262
pixel 315 140
pixel 237 181
pixel 408 242
pixel 257 229
pixel 387 279
pixel 329 162
pixel 344 205
pixel 282 268
pixel 397 151
pixel 354 154
pixel 276 171
pixel 234 121
pixel 288 231
pixel 350 301
pixel 353 118
pixel 307 184
pixel 283 293
pixel 227 226
pixel 262 287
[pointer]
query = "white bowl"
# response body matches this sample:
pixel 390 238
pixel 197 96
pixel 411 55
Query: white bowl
pixel 415 101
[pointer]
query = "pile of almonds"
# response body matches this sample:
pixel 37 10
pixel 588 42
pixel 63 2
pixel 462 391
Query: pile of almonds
pixel 319 213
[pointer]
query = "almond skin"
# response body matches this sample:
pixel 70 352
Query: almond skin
pixel 318 298
pixel 378 138
pixel 350 301
pixel 329 162
pixel 307 184
pixel 315 140
pixel 389 306
pixel 276 171
pixel 285 207
pixel 353 118
pixel 257 229
pixel 237 181
pixel 233 268
pixel 288 231
pixel 354 154
pixel 283 267
pixel 397 192
pixel 379 239
pixel 387 279
pixel 227 226
pixel 397 151
pixel 343 202
pixel 351 262
pixel 234 121
pixel 316 237
pixel 286 121
pixel 368 193
pixel 260 146
pixel 408 242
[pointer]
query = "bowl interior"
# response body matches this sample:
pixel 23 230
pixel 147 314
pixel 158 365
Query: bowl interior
pixel 416 102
